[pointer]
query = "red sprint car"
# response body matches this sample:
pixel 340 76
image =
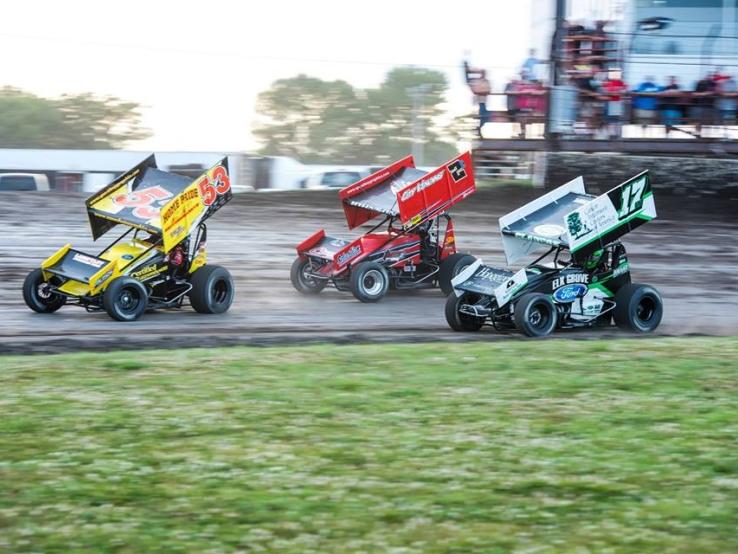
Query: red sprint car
pixel 413 246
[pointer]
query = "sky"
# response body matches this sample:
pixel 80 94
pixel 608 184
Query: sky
pixel 197 67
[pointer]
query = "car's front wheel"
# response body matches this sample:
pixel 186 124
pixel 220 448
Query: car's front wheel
pixel 38 295
pixel 638 308
pixel 302 280
pixel 457 320
pixel 212 290
pixel 535 314
pixel 369 281
pixel 125 299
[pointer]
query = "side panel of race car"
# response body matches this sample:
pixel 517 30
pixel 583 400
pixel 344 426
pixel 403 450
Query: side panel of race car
pixel 611 215
pixel 436 191
pixel 196 203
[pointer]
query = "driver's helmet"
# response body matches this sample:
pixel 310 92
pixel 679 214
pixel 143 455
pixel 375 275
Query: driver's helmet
pixel 594 259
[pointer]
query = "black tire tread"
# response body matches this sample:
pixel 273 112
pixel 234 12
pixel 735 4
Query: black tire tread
pixel 447 271
pixel 200 293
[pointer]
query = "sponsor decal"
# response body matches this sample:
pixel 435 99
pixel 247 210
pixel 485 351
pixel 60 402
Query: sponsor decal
pixel 421 186
pixel 549 230
pixel 489 274
pixel 127 256
pixel 87 260
pixel 577 228
pixel 337 243
pixel 104 277
pixel 348 255
pixel 622 268
pixel 371 181
pixel 505 292
pixel 414 221
pixel 457 170
pixel 569 293
pixel 570 278
pixel 178 231
pixel 147 272
pixel 175 204
pixel 535 238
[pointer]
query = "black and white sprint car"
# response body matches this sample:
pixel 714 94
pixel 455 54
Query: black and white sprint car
pixel 587 280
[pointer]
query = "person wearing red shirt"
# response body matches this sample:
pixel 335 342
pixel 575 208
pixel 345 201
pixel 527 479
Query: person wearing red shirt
pixel 613 88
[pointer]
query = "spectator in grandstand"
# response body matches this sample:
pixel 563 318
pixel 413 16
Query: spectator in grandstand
pixel 512 100
pixel 645 107
pixel 727 104
pixel 528 68
pixel 601 47
pixel 481 87
pixel 612 90
pixel 671 110
pixel 702 110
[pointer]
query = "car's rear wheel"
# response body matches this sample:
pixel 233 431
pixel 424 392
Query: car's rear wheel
pixel 369 281
pixel 459 321
pixel 125 299
pixel 302 280
pixel 38 295
pixel 212 290
pixel 450 268
pixel 638 308
pixel 535 314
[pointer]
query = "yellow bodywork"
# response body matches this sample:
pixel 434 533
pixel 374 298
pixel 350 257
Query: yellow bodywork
pixel 121 257
pixel 51 260
pixel 200 259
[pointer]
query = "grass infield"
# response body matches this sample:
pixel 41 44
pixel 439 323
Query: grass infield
pixel 513 446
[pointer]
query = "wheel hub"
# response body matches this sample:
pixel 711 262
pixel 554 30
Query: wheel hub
pixel 372 282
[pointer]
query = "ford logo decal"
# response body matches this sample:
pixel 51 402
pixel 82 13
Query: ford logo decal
pixel 569 293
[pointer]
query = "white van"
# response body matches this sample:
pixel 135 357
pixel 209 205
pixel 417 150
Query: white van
pixel 23 181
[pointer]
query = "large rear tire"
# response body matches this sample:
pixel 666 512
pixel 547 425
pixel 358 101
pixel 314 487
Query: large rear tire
pixel 212 290
pixel 638 308
pixel 125 299
pixel 369 281
pixel 37 295
pixel 450 268
pixel 535 314
pixel 457 320
pixel 302 282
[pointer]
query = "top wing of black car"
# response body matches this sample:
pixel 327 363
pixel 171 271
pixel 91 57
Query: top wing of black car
pixel 568 217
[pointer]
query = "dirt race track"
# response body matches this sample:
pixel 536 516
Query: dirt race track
pixel 692 259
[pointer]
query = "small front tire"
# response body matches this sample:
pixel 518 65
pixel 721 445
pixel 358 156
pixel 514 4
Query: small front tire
pixel 535 314
pixel 303 283
pixel 458 321
pixel 212 290
pixel 125 299
pixel 638 308
pixel 369 281
pixel 37 295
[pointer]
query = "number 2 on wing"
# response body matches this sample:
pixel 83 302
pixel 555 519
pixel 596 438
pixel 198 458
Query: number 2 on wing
pixel 630 199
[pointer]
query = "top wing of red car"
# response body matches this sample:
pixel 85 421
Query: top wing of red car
pixel 401 190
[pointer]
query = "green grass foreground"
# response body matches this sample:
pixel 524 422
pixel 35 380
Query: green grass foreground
pixel 511 446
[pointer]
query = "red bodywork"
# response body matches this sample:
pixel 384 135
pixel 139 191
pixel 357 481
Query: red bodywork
pixel 412 204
